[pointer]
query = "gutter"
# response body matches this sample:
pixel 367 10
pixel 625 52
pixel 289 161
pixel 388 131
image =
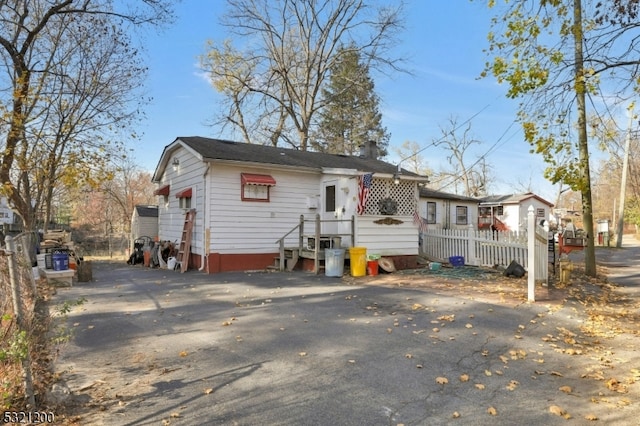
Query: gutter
pixel 205 222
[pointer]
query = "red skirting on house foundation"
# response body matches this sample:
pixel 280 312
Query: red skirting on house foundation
pixel 217 262
pixel 239 262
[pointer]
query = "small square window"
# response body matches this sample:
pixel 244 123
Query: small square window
pixel 540 213
pixel 256 187
pixel 255 193
pixel 185 202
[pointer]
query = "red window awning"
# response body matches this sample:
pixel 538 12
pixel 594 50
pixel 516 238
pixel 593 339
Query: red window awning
pixel 163 190
pixel 185 193
pixel 254 179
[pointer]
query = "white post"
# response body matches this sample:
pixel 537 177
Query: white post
pixel 471 246
pixel 531 255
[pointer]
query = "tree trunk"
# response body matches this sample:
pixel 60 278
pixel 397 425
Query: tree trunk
pixel 583 148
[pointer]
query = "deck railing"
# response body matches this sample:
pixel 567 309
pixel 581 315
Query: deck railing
pixel 315 252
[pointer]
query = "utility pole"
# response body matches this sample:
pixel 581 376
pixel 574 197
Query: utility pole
pixel 623 183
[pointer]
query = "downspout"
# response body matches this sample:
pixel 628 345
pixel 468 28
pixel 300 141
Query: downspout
pixel 205 222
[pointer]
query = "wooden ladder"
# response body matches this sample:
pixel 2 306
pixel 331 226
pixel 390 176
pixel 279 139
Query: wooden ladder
pixel 185 242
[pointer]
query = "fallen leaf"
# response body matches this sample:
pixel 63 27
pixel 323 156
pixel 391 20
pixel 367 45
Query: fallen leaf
pixel 442 380
pixel 591 417
pixel 302 353
pixel 207 391
pixel 565 389
pixel 513 384
pixel 469 325
pixel 487 373
pixel 455 415
pixel 183 353
pixel 464 377
pixel 409 356
pixel 479 386
pixel 175 415
pixel 492 411
pixel 558 411
pixel 226 323
pixel 449 318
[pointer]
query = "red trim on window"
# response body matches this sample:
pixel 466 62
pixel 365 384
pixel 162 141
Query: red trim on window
pixel 185 193
pixel 163 190
pixel 254 179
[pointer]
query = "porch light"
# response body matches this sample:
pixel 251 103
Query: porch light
pixel 396 178
pixel 175 164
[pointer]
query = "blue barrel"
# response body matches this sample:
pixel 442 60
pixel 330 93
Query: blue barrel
pixel 60 261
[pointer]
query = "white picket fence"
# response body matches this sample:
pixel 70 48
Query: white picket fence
pixel 491 248
pixel 479 248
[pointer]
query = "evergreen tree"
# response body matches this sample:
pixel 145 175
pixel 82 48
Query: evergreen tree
pixel 351 116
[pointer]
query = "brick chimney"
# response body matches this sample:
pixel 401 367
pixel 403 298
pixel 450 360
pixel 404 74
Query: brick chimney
pixel 369 150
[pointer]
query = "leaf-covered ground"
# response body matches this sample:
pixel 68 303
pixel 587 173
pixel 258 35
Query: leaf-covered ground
pixel 600 337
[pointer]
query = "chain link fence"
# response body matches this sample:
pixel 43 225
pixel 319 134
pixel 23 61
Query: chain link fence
pixel 115 246
pixel 18 323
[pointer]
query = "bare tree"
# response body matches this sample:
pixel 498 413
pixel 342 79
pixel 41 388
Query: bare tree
pixel 412 159
pixel 111 204
pixel 272 87
pixel 69 93
pixel 474 174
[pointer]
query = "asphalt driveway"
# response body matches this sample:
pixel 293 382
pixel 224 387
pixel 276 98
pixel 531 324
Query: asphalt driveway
pixel 159 347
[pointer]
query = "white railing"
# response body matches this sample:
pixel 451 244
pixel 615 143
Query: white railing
pixel 492 248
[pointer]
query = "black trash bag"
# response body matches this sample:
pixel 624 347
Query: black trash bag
pixel 514 270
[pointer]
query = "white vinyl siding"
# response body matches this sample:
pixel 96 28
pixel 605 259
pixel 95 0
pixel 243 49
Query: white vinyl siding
pixel 238 226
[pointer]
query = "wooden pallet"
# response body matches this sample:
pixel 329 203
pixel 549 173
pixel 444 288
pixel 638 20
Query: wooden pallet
pixel 184 250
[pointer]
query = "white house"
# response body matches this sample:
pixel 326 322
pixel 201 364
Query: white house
pixel 509 212
pixel 441 210
pixel 247 197
pixel 6 214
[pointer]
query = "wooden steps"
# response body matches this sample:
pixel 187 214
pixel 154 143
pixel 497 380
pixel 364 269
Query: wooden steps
pixel 291 256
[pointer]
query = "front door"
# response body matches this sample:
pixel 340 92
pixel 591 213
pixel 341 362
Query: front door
pixel 334 201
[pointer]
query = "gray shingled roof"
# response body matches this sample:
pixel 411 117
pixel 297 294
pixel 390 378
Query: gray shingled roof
pixel 511 198
pixel 217 149
pixel 432 193
pixel 147 211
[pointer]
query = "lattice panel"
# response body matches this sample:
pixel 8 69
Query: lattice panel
pixel 403 193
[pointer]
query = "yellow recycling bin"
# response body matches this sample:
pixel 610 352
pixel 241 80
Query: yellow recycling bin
pixel 358 261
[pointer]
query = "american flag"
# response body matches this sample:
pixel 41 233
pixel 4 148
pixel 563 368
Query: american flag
pixel 364 185
pixel 420 222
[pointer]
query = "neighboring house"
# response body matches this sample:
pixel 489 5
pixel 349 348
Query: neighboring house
pixel 144 222
pixel 441 210
pixel 6 214
pixel 247 197
pixel 509 212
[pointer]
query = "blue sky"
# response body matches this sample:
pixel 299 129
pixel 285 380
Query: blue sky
pixel 444 41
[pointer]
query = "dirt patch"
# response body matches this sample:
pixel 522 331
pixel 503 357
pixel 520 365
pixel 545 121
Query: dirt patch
pixel 474 283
